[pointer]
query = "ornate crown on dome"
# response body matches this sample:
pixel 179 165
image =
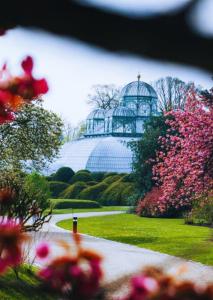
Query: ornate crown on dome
pixel 97 114
pixel 138 88
pixel 120 111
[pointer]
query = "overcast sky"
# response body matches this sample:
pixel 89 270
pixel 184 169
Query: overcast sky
pixel 72 68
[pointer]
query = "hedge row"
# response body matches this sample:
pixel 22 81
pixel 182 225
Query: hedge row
pixel 113 189
pixel 62 204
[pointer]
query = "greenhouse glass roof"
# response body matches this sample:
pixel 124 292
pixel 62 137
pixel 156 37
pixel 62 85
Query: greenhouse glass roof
pixel 106 154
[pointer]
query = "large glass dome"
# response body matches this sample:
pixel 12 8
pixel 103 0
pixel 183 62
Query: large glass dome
pixel 106 154
pixel 138 88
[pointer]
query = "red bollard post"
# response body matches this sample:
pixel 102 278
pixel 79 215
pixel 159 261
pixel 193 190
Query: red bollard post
pixel 75 225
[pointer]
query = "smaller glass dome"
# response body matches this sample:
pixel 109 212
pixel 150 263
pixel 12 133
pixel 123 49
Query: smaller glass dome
pixel 120 111
pixel 138 88
pixel 97 114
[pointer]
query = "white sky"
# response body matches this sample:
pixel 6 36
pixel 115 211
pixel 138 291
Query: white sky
pixel 72 68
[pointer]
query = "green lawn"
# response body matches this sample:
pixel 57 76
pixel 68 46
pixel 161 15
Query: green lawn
pixel 78 210
pixel 23 289
pixel 164 235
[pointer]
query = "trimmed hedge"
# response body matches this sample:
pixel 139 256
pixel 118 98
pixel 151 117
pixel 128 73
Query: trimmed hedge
pixel 82 176
pixel 56 187
pixel 111 179
pixel 64 174
pixel 73 191
pixel 110 174
pixel 117 193
pixel 62 204
pixel 98 176
pixel 93 192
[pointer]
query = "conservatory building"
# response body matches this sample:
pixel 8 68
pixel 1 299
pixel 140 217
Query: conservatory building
pixel 104 146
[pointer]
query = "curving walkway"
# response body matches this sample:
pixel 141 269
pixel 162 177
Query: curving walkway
pixel 120 259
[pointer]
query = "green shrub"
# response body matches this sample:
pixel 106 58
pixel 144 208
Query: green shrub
pixel 93 192
pixel 73 191
pixel 128 178
pixel 64 174
pixel 202 212
pixel 110 174
pixel 62 204
pixel 98 176
pixel 37 185
pixel 111 179
pixel 84 170
pixel 56 187
pixel 91 183
pixel 117 193
pixel 82 176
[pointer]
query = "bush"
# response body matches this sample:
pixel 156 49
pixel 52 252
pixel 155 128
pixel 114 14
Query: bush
pixel 110 174
pixel 64 174
pixel 117 193
pixel 89 183
pixel 93 192
pixel 128 178
pixel 202 211
pixel 73 191
pixel 56 187
pixel 37 185
pixel 98 176
pixel 152 206
pixel 62 204
pixel 82 176
pixel 111 179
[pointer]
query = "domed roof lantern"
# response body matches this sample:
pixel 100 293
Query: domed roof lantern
pixel 138 89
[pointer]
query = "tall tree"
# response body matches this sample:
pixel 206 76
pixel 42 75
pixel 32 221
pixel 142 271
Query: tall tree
pixel 171 93
pixel 104 96
pixel 145 153
pixel 33 139
pixel 184 171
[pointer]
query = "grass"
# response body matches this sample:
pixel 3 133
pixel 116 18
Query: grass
pixel 169 236
pixel 24 288
pixel 101 209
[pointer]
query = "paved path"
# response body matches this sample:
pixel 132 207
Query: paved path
pixel 122 259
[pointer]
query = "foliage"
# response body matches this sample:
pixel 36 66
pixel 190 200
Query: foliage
pixel 73 191
pixel 79 210
pixel 12 288
pixel 111 179
pixel 57 187
pixel 117 193
pixel 22 202
pixel 164 235
pixel 98 176
pixel 63 204
pixel 104 96
pixel 32 140
pixel 150 206
pixel 184 166
pixel 39 186
pixel 110 174
pixel 145 153
pixel 17 91
pixel 64 174
pixel 82 176
pixel 93 192
pixel 202 211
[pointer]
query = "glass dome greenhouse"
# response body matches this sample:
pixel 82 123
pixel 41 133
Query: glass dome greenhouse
pixel 103 147
pixel 109 154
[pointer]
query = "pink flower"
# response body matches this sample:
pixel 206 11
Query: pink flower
pixel 42 250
